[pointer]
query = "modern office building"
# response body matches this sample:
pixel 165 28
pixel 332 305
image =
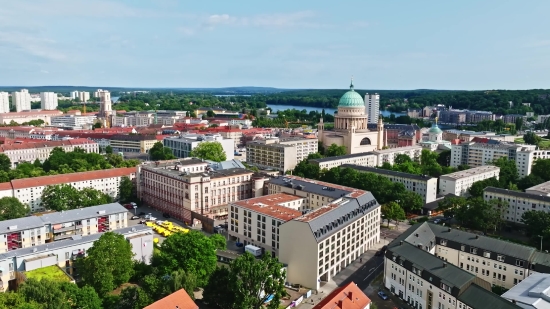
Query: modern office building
pixel 73 121
pixel 423 185
pixel 4 102
pixel 275 156
pixel 48 100
pixel 183 145
pixel 362 159
pixel 372 107
pixel 458 183
pixel 517 202
pixel 21 100
pixel 133 143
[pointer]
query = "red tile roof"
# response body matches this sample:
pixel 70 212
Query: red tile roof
pixel 36 143
pixel 5 186
pixel 32 113
pixel 270 205
pixel 72 177
pixel 346 297
pixel 179 299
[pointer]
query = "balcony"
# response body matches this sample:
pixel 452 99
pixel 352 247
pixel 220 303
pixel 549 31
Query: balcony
pixel 64 229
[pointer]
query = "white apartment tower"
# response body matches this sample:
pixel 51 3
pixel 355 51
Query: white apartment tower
pixel 372 107
pixel 84 96
pixel 21 100
pixel 4 102
pixel 74 94
pixel 48 100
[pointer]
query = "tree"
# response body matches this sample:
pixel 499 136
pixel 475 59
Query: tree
pixel 251 282
pixel 306 169
pixel 392 211
pixel 519 123
pixel 5 163
pixel 59 197
pixel 540 168
pixel 212 151
pixel 12 208
pixel 108 149
pixel 85 297
pixel 532 138
pixel 108 264
pixel 508 171
pixel 133 298
pixel 210 114
pixel 529 181
pixel 192 252
pixel 402 158
pixel 219 241
pixel 476 190
pixel 97 125
pixel 334 150
pixel 126 189
pixel 536 223
pixel 450 204
pixel 411 201
pixel 159 152
pixel 45 292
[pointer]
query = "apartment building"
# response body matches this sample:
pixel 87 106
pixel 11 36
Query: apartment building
pixel 188 186
pixel 458 183
pixel 262 218
pixel 423 185
pixel 4 102
pixel 388 155
pixel 37 230
pixel 540 189
pixel 21 100
pixel 322 242
pixel 531 293
pixel 29 190
pixel 480 153
pixel 65 253
pixel 73 121
pixel 133 143
pixel 361 159
pixel 183 145
pixel 280 157
pixel 26 116
pixel 48 100
pixel 372 107
pixel 41 150
pixel 517 202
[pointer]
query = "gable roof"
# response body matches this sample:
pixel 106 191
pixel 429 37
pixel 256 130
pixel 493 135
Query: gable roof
pixel 179 299
pixel 348 297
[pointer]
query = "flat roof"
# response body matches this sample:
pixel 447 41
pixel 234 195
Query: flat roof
pixel 543 187
pixel 518 194
pixel 471 172
pixel 348 156
pixel 83 213
pixel 537 284
pixel 270 205
pixel 20 224
pixel 382 171
pixel 399 149
pixel 315 186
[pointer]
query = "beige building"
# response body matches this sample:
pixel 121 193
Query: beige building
pixel 26 116
pixel 271 156
pixel 133 143
pixel 423 185
pixel 518 202
pixel 186 186
pixel 351 124
pixel 388 155
pixel 362 159
pixel 458 183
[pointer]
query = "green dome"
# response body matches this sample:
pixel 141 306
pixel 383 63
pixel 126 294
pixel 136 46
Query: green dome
pixel 434 129
pixel 351 99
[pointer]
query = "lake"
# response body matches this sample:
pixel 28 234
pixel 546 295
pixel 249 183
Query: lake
pixel 275 108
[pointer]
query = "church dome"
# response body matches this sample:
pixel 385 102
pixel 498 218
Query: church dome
pixel 351 99
pixel 434 129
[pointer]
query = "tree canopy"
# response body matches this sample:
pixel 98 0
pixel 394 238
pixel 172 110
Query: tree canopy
pixel 212 151
pixel 66 197
pixel 334 150
pixel 159 152
pixel 126 189
pixel 392 212
pixel 12 208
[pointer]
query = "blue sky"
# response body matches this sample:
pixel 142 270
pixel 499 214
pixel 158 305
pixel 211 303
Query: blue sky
pixel 398 44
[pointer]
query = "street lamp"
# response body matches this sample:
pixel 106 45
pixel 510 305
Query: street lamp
pixel 540 243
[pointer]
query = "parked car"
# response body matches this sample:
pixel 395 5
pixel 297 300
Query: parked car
pixel 135 217
pixel 166 215
pixel 382 295
pixel 133 204
pixel 436 221
pixel 128 206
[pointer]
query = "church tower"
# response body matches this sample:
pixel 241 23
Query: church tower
pixel 380 128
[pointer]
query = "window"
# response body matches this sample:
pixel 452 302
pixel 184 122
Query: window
pixel 519 263
pixel 443 242
pixel 500 258
pixel 462 247
pixel 473 250
pixel 487 254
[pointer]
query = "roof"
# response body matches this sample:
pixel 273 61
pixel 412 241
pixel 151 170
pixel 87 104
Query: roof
pixel 270 205
pixel 538 197
pixel 348 156
pixel 225 164
pixel 20 224
pixel 83 213
pixel 345 297
pixel 382 171
pixel 179 299
pixel 44 144
pixel 531 291
pixel 471 172
pixel 397 150
pixel 315 187
pixel 31 113
pixel 351 99
pixel 477 297
pixel 543 187
pixel 71 177
pixel 121 137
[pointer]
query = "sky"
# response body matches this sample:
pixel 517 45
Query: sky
pixel 398 44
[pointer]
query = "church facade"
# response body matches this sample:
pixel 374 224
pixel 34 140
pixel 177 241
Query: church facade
pixel 351 127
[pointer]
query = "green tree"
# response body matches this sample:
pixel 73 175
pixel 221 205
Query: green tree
pixel 219 241
pixel 540 168
pixel 392 211
pixel 212 151
pixel 210 114
pixel 450 204
pixel 159 152
pixel 529 181
pixel 218 292
pixel 192 252
pixel 59 197
pixel 126 189
pixel 476 190
pixel 85 297
pixel 532 138
pixel 5 163
pixel 411 201
pixel 108 149
pixel 12 208
pixel 536 223
pixel 519 123
pixel 45 292
pixel 108 264
pixel 508 171
pixel 334 150
pixel 306 169
pixel 133 298
pixel 402 158
pixel 97 125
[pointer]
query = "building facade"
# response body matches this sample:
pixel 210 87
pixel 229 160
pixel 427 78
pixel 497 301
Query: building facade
pixel 372 107
pixel 4 102
pixel 281 154
pixel 26 116
pixel 458 183
pixel 361 159
pixel 517 203
pixel 388 155
pixel 48 100
pixel 132 143
pixel 21 100
pixel 74 121
pixel 183 145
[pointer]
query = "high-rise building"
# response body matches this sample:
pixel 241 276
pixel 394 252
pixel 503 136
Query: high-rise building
pixel 105 102
pixel 21 100
pixel 84 96
pixel 48 100
pixel 372 107
pixel 4 102
pixel 74 95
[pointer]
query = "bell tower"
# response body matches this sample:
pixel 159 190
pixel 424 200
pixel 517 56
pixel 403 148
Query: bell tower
pixel 380 128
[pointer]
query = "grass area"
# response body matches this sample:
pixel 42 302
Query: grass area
pixel 545 143
pixel 51 272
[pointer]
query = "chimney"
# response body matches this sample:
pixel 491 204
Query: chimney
pixel 449 230
pixel 444 265
pixel 350 295
pixel 340 304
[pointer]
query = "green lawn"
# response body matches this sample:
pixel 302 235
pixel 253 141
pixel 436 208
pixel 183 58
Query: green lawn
pixel 545 143
pixel 51 272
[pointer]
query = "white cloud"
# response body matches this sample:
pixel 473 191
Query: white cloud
pixel 44 71
pixel 31 44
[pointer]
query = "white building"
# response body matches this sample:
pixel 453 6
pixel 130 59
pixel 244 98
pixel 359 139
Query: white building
pixel 435 139
pixel 84 96
pixel 282 154
pixel 518 202
pixel 74 121
pixel 4 102
pixel 362 159
pixel 74 95
pixel 243 122
pixel 540 189
pixel 21 100
pixel 388 155
pixel 29 190
pixel 372 107
pixel 458 183
pixel 48 100
pixel 183 145
pixel 423 185
pixel 531 293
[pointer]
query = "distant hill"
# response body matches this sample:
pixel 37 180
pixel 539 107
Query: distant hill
pixel 221 91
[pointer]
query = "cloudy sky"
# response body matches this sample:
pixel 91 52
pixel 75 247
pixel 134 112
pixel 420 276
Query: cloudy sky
pixel 398 44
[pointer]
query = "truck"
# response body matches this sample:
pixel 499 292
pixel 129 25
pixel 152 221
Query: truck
pixel 255 251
